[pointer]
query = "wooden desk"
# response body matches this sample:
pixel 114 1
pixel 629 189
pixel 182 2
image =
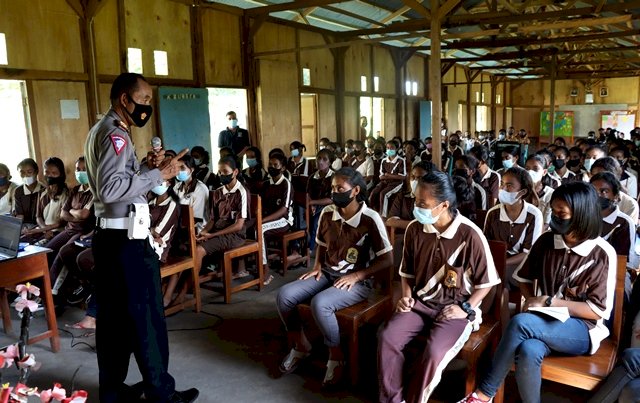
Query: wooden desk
pixel 30 264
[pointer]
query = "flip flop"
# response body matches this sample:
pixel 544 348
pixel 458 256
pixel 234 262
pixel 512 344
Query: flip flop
pixel 268 280
pixel 79 325
pixel 291 362
pixel 240 274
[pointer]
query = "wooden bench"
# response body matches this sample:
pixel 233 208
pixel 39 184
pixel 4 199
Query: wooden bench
pixel 178 264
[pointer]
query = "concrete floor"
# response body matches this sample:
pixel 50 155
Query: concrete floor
pixel 230 353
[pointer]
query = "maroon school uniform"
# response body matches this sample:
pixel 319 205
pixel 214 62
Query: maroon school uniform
pixel 490 182
pixel 226 207
pixel 79 200
pixel 384 191
pixel 26 203
pixel 164 222
pixel 519 235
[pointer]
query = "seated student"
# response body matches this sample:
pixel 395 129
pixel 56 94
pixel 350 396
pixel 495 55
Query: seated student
pixel 7 190
pixel 319 191
pixel 446 272
pixel 347 156
pixel 509 158
pixel 201 169
pixel 466 166
pixel 79 262
pixel 78 214
pixel 191 191
pixel 535 166
pixel 401 211
pixel 623 383
pixel 377 155
pixel 591 155
pixel 25 198
pixel 561 173
pixel 627 204
pixel 337 162
pixel 277 200
pixel 486 177
pixel 410 150
pixel 425 155
pixel 628 179
pixel 451 152
pixel 558 261
pixel 392 174
pixel 352 246
pixel 362 163
pixel 549 157
pixel 50 204
pixel 298 164
pixel 574 163
pixel 323 143
pixel 516 220
pixel 255 175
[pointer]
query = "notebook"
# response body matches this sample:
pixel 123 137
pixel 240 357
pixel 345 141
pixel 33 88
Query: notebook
pixel 10 228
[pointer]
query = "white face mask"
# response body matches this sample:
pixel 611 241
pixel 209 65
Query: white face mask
pixel 29 180
pixel 414 186
pixel 508 198
pixel 536 176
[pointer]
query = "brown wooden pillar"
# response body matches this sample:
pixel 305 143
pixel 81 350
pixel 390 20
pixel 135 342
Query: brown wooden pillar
pixel 435 84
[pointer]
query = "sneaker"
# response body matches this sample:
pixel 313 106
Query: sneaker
pixel 292 361
pixel 334 374
pixel 473 398
pixel 77 296
pixel 186 396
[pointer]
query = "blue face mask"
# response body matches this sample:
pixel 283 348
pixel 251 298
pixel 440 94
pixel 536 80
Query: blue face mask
pixel 391 153
pixel 424 215
pixel 295 152
pixel 252 162
pixel 507 164
pixel 160 189
pixel 183 176
pixel 82 177
pixel 197 161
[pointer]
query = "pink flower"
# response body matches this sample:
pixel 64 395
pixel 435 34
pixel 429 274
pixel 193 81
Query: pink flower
pixel 9 355
pixel 27 361
pixel 26 303
pixel 79 396
pixel 23 289
pixel 57 393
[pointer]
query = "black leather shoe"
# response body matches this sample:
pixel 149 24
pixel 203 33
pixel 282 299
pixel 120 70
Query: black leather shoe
pixel 186 396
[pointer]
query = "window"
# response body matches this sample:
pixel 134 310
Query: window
pixel 134 60
pixel 477 97
pixel 3 49
pixel 407 87
pixel 482 117
pixel 14 114
pixel 376 83
pixel 414 88
pixel 482 97
pixel 363 83
pixel 306 76
pixel 498 98
pixel 160 63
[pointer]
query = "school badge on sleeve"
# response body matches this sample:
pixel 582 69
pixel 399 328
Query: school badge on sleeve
pixel 451 279
pixel 352 255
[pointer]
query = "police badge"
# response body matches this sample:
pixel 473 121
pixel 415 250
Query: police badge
pixel 352 255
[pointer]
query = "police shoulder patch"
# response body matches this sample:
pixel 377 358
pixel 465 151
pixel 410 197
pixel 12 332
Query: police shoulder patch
pixel 119 143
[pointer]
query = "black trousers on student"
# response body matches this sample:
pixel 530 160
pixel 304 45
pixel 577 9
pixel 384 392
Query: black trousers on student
pixel 130 317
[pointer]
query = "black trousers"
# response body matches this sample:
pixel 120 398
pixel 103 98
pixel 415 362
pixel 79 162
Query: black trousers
pixel 130 317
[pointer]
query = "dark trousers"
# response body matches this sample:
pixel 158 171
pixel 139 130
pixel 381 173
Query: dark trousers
pixel 56 244
pixel 130 317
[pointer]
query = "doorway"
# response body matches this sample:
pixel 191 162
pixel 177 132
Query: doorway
pixel 309 122
pixel 15 119
pixel 221 101
pixel 372 108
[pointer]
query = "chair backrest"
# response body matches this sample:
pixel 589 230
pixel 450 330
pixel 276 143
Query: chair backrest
pixel 256 218
pixel 621 273
pixel 187 221
pixel 499 253
pixel 302 199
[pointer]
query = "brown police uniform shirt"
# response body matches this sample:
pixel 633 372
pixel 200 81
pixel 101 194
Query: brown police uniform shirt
pixel 519 235
pixel 164 222
pixel 585 273
pixel 447 267
pixel 278 194
pixel 229 205
pixel 351 244
pixel 320 187
pixel 490 182
pixel 80 198
pixel 26 202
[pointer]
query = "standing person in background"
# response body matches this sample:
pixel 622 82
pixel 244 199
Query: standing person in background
pixel 25 202
pixel 7 190
pixel 235 137
pixel 130 316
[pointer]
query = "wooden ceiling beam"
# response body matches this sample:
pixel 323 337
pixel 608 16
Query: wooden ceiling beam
pixel 447 7
pixel 577 23
pixel 539 53
pixel 353 15
pixel 77 6
pixel 418 7
pixel 289 6
pixel 566 63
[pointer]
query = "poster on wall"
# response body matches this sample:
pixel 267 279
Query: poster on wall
pixel 622 121
pixel 563 124
pixel 184 117
pixel 425 119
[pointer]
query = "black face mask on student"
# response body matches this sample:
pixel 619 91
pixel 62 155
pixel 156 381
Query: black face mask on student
pixel 558 163
pixel 141 113
pixel 274 172
pixel 461 172
pixel 341 199
pixel 226 179
pixel 604 203
pixel 559 225
pixel 53 180
pixel 573 164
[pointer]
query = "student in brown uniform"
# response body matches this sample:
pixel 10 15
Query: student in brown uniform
pixel 352 246
pixel 363 163
pixel 392 175
pixel 255 175
pixel 509 158
pixel 627 204
pixel 535 166
pixel 466 166
pixel 561 173
pixel 7 190
pixel 486 177
pixel 574 163
pixel 26 196
pixel 516 220
pixel 446 272
pixel 319 191
pixel 575 268
pixel 298 164
pixel 229 212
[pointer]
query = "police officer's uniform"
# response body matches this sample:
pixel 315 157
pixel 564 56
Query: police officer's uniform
pixel 130 317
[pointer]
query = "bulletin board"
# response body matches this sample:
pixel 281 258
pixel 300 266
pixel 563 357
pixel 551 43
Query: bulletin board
pixel 624 121
pixel 563 122
pixel 184 117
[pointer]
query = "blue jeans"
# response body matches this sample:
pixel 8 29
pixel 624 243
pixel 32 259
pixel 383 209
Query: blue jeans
pixel 528 339
pixel 623 384
pixel 313 226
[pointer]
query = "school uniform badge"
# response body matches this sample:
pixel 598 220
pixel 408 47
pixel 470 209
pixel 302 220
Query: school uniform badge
pixel 352 255
pixel 119 143
pixel 451 279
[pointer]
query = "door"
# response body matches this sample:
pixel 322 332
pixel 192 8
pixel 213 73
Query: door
pixel 309 120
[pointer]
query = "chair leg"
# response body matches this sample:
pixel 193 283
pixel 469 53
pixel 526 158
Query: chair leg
pixel 499 397
pixel 260 268
pixel 354 355
pixel 470 376
pixel 6 313
pixel 195 278
pixel 227 273
pixel 285 262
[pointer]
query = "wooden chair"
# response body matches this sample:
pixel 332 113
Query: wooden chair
pixel 178 264
pixel 481 216
pixel 250 246
pixel 376 309
pixel 301 235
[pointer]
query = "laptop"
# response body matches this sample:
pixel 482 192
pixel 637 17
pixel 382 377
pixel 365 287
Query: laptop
pixel 10 228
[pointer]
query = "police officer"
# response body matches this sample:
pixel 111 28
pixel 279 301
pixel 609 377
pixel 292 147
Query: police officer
pixel 130 317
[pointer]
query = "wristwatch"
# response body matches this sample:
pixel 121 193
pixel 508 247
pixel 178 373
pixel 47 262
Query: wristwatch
pixel 471 313
pixel 548 301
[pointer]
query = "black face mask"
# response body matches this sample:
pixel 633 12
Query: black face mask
pixel 274 172
pixel 54 181
pixel 461 172
pixel 559 225
pixel 453 143
pixel 573 163
pixel 141 113
pixel 226 179
pixel 604 203
pixel 558 164
pixel 341 200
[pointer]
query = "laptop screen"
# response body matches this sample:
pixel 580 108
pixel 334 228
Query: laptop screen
pixel 10 235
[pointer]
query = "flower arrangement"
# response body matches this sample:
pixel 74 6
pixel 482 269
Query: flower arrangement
pixel 27 362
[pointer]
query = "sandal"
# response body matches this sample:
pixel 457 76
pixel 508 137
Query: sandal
pixel 291 362
pixel 240 274
pixel 334 374
pixel 79 325
pixel 268 280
